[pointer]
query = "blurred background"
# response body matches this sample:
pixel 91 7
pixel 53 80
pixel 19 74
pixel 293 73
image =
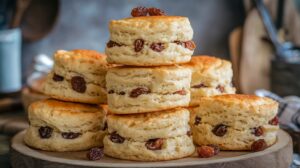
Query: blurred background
pixel 264 51
pixel 84 24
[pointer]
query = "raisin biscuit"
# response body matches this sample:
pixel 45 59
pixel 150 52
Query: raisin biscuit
pixel 78 76
pixel 150 41
pixel 210 76
pixel 65 126
pixel 155 136
pixel 147 89
pixel 235 122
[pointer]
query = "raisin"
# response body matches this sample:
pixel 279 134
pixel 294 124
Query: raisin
pixel 197 120
pixel 45 132
pixel 105 126
pixel 155 12
pixel 158 47
pixel 216 148
pixel 259 145
pixel 138 45
pixel 181 92
pixel 122 93
pixel 274 121
pixel 138 91
pixel 189 133
pixel 190 45
pixel 154 144
pixel 231 84
pixel 258 131
pixel 178 42
pixel 205 151
pixel 95 154
pixel 111 91
pixel 57 78
pixel 199 86
pixel 116 138
pixel 70 135
pixel 111 44
pixel 78 84
pixel 220 130
pixel 139 11
pixel 221 88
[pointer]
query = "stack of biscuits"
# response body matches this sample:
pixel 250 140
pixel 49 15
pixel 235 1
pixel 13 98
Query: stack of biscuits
pixel 160 100
pixel 235 122
pixel 220 118
pixel 146 94
pixel 72 120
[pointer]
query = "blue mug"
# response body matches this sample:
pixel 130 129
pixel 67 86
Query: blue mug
pixel 10 60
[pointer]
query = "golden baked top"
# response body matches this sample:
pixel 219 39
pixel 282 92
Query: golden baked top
pixel 205 63
pixel 155 29
pixel 66 115
pixel 251 102
pixel 82 55
pixel 156 69
pixel 65 108
pixel 148 119
pixel 150 21
pixel 242 98
pixel 159 79
pixel 210 71
pixel 145 126
pixel 82 61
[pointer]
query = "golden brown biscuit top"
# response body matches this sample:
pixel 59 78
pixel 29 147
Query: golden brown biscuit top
pixel 241 98
pixel 55 106
pixel 149 118
pixel 155 18
pixel 89 53
pixel 145 68
pixel 150 21
pixel 203 62
pixel 66 116
pixel 86 62
pixel 80 55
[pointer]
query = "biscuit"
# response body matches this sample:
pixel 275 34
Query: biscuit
pixel 234 122
pixel 150 41
pixel 154 136
pixel 65 126
pixel 145 126
pixel 210 76
pixel 145 89
pixel 57 143
pixel 78 76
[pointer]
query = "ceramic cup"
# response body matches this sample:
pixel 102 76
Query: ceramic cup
pixel 10 60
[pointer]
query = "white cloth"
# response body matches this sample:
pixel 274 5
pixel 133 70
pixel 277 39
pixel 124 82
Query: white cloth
pixel 289 109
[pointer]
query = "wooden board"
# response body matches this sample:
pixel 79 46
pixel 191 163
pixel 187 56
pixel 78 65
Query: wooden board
pixel 235 44
pixel 277 156
pixel 256 55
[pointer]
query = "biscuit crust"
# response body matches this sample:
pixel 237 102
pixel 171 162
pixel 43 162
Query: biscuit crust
pixel 167 87
pixel 66 116
pixel 145 126
pixel 173 148
pixel 57 143
pixel 89 65
pixel 241 114
pixel 135 131
pixel 169 31
pixel 210 76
